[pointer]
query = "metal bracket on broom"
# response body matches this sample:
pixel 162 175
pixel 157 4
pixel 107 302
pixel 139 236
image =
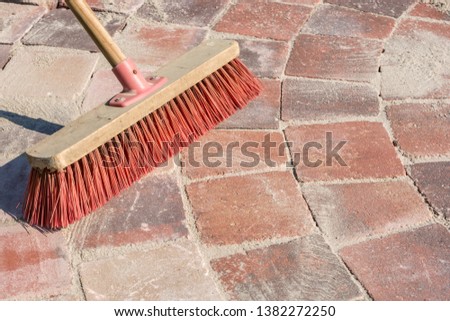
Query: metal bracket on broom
pixel 135 86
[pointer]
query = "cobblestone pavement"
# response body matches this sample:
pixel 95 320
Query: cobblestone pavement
pixel 355 207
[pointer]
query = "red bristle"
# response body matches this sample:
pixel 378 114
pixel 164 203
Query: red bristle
pixel 57 199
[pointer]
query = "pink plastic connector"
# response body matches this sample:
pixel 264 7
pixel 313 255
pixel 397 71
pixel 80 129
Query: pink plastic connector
pixel 135 86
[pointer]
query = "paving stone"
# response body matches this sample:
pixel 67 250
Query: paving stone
pixel 249 208
pixel 103 86
pixel 5 54
pixel 32 264
pixel 50 4
pixel 348 213
pixel 264 58
pixel 199 13
pixel 410 266
pixel 262 112
pixel 416 61
pixel 340 21
pixel 301 2
pixel 155 45
pixel 384 7
pixel 60 28
pixel 123 6
pixel 424 10
pixel 52 86
pixel 361 150
pixel 332 57
pixel 230 151
pixel 264 19
pixel 20 132
pixel 16 20
pixel 169 273
pixel 304 269
pixel 433 181
pixel 150 210
pixel 305 99
pixel 421 129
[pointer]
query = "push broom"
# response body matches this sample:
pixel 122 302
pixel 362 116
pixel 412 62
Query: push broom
pixel 82 166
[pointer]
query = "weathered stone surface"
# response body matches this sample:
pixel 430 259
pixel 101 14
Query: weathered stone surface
pixel 184 12
pixel 169 273
pixel 304 269
pixel 361 150
pixel 348 213
pixel 416 61
pixel 264 19
pixel 433 180
pixel 150 210
pixel 39 83
pixel 332 57
pixel 32 264
pixel 421 129
pixel 385 7
pixel 339 21
pixel 16 20
pixel 60 28
pixel 305 99
pixel 407 266
pixel 231 151
pixel 249 208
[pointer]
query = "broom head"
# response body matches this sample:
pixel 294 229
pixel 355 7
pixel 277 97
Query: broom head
pixel 83 165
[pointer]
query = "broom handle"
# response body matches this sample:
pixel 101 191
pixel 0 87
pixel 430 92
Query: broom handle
pixel 96 31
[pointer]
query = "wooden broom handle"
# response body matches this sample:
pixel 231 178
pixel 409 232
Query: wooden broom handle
pixel 96 31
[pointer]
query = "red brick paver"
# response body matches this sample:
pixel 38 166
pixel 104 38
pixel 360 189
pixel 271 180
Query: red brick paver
pixel 261 113
pixel 249 208
pixel 60 28
pixel 222 152
pixel 265 58
pixel 433 181
pixel 349 213
pixel 407 266
pixel 421 129
pixel 50 4
pixel 317 100
pixel 17 20
pixel 331 57
pixel 383 7
pixel 340 21
pixel 124 6
pixel 302 2
pixel 304 269
pixel 185 12
pixel 365 152
pixel 264 19
pixel 155 45
pixel 424 10
pixel 5 51
pixel 151 209
pixel 172 272
pixel 37 265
